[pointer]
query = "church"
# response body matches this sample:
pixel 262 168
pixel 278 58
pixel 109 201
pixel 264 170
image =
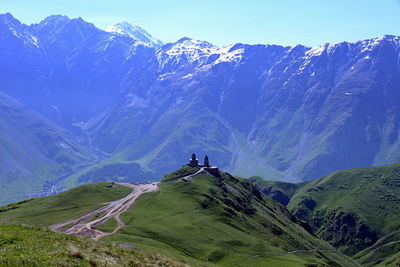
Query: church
pixel 194 162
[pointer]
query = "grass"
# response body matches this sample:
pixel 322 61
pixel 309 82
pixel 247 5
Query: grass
pixel 382 251
pixel 351 209
pixel 279 191
pixel 371 193
pixel 57 208
pixel 209 220
pixel 184 171
pixel 108 226
pixel 34 246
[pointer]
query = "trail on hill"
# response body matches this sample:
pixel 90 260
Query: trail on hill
pixel 86 224
pixel 298 251
pixel 186 177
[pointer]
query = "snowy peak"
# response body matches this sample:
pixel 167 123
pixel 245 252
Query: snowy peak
pixel 370 44
pixel 189 47
pixel 139 34
pixel 195 52
pixel 191 43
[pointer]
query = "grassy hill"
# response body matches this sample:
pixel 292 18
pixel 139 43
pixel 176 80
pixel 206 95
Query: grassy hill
pixel 223 220
pixel 205 221
pixel 356 210
pixel 60 207
pixel 277 190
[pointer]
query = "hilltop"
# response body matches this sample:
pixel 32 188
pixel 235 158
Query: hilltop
pixel 356 210
pixel 202 220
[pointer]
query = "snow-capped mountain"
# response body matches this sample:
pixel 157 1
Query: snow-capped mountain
pixel 195 52
pixel 290 113
pixel 139 34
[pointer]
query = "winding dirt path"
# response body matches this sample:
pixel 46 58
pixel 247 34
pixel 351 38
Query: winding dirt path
pixel 187 177
pixel 298 251
pixel 86 224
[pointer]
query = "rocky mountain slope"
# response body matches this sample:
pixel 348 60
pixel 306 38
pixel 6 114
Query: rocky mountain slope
pixel 207 219
pixel 355 210
pixel 284 113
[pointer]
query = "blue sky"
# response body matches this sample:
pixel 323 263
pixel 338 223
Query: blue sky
pixel 222 22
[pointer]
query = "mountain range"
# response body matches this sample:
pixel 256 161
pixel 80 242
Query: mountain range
pixel 134 107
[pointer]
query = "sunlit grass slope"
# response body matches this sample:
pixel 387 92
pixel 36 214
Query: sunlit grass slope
pixel 356 210
pixel 57 208
pixel 221 220
pixel 34 246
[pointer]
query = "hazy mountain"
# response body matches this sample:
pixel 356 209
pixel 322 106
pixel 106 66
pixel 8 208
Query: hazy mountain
pixel 34 151
pixel 290 113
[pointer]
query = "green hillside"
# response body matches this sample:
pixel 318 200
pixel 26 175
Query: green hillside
pixel 205 221
pixel 220 219
pixel 356 210
pixel 57 208
pixel 34 246
pixel 277 190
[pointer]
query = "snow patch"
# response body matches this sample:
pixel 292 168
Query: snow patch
pixel 188 76
pixel 35 41
pixel 55 108
pixel 136 101
pixel 369 45
pixel 313 52
pixel 65 146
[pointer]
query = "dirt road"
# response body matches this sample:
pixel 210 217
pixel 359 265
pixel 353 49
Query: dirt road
pixel 86 224
pixel 187 177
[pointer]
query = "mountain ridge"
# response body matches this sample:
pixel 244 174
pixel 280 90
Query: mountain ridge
pixel 284 113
